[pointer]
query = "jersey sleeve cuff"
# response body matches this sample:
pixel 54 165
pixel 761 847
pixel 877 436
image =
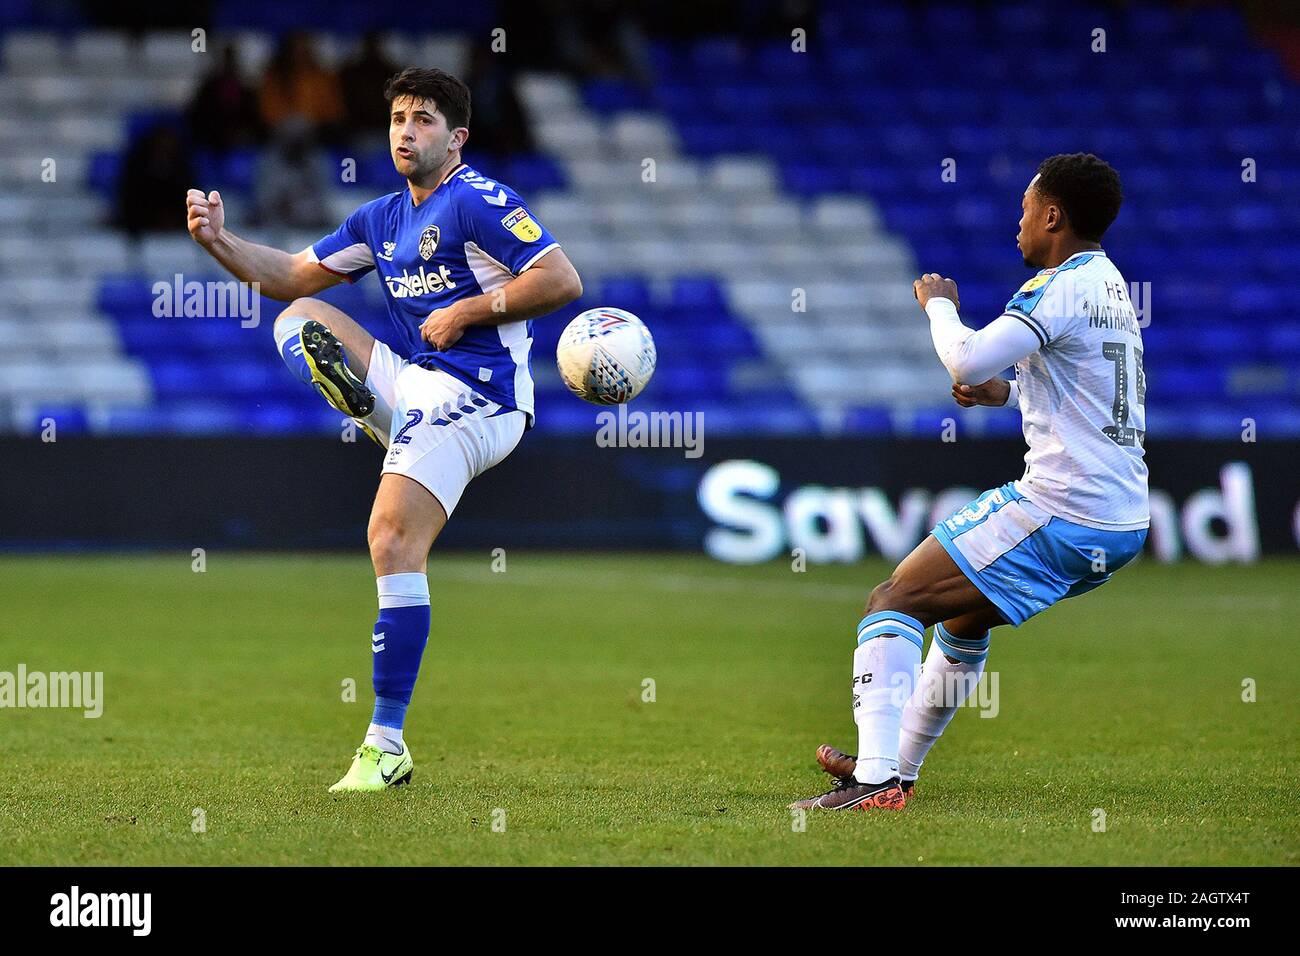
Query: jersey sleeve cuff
pixel 541 252
pixel 1029 320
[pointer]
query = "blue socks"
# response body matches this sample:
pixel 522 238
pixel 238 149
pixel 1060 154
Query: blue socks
pixel 397 646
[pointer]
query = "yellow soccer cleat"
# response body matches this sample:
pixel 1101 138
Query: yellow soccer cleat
pixel 372 769
pixel 327 363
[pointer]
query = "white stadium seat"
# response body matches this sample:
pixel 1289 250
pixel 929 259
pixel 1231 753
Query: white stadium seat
pixel 161 257
pixel 32 52
pixel 123 380
pixel 770 216
pixel 595 176
pixel 545 94
pixel 844 215
pixel 751 175
pixel 577 137
pixel 442 51
pixel 171 52
pixel 672 174
pixel 103 54
pixel 638 135
pixel 34 293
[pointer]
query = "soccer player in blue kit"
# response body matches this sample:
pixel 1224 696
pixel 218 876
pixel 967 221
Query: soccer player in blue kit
pixel 1077 515
pixel 445 385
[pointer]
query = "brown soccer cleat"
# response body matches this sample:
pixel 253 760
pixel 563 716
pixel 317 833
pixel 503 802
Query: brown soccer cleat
pixel 841 766
pixel 848 794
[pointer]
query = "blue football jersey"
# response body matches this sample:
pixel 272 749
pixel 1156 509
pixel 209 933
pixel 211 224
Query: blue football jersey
pixel 471 236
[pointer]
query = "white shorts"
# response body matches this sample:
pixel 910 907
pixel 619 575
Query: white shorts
pixel 438 430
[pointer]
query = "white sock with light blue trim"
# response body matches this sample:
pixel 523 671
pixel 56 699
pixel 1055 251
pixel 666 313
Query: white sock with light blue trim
pixel 943 687
pixel 289 346
pixel 885 667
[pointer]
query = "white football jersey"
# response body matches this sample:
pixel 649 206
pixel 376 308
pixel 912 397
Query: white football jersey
pixel 1082 395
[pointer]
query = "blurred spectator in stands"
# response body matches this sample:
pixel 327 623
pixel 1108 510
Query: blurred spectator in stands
pixel 223 113
pixel 156 170
pixel 297 84
pixel 363 79
pixel 293 178
pixel 498 127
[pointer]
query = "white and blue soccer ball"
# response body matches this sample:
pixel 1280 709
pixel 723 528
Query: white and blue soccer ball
pixel 606 356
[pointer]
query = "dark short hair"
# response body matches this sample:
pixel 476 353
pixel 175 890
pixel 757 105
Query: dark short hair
pixel 1086 187
pixel 449 95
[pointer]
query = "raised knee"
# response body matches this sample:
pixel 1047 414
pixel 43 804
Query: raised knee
pixel 304 308
pixel 881 596
pixel 895 594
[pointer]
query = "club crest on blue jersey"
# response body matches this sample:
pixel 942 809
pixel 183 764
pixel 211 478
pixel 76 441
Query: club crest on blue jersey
pixel 429 242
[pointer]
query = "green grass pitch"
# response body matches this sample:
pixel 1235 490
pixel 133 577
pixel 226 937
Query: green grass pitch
pixel 223 692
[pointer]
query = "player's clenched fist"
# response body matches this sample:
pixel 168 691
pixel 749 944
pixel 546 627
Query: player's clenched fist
pixel 932 285
pixel 444 327
pixel 994 392
pixel 206 215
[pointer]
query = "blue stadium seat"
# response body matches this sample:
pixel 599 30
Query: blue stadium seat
pixel 612 96
pixel 530 173
pixel 103 172
pixel 697 294
pixel 631 292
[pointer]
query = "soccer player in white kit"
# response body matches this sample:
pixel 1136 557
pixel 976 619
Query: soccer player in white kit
pixel 1078 514
pixel 445 384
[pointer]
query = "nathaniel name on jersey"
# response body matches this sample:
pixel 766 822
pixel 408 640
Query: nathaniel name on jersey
pixel 470 237
pixel 1082 395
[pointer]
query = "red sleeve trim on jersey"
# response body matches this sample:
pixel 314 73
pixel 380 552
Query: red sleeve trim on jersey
pixel 334 271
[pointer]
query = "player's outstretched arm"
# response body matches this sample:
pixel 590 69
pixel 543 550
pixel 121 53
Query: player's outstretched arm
pixel 279 274
pixel 548 284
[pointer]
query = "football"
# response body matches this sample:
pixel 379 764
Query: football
pixel 606 356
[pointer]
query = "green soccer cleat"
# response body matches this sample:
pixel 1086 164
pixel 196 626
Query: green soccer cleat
pixel 372 769
pixel 336 383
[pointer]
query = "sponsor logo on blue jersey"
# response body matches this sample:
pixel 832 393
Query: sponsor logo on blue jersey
pixel 469 237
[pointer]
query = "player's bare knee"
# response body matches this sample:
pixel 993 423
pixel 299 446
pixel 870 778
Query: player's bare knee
pixel 886 596
pixel 895 594
pixel 879 598
pixel 304 308
pixel 392 544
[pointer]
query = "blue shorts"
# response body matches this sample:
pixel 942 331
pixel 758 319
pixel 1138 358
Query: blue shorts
pixel 1023 559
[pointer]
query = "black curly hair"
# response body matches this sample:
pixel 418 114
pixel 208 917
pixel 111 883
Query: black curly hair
pixel 1086 187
